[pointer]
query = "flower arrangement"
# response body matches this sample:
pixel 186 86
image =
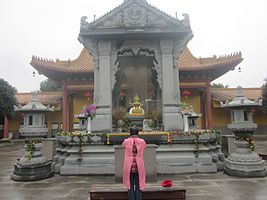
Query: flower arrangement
pixel 30 148
pixel 194 132
pixel 88 111
pixel 76 133
pixel 82 140
pixel 250 140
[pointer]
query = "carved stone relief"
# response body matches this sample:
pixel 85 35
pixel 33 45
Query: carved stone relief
pixel 104 48
pixel 166 46
pixel 112 22
pixel 157 20
pixel 135 15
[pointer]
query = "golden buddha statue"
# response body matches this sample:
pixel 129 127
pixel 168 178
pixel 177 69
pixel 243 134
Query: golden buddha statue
pixel 136 109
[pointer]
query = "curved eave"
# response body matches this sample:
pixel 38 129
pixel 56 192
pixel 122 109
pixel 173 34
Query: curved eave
pixel 188 62
pixel 82 65
pixel 59 74
pixel 207 67
pixel 59 66
pixel 224 94
pixel 47 67
pixel 46 98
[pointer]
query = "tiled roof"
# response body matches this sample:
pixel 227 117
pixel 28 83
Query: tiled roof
pixel 84 63
pixel 187 62
pixel 46 98
pixel 218 94
pixel 223 94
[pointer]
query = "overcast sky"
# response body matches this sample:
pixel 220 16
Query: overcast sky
pixel 49 29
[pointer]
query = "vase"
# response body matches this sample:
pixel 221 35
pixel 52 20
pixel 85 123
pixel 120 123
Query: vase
pixel 89 124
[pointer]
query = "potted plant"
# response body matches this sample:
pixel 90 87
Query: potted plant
pixel 154 117
pixel 119 116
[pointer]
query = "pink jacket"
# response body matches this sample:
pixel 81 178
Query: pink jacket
pixel 128 160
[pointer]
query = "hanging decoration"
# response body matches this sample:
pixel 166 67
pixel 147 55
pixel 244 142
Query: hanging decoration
pixel 122 94
pixel 186 93
pixel 89 95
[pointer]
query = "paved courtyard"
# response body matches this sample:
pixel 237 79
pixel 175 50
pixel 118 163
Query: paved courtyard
pixel 215 186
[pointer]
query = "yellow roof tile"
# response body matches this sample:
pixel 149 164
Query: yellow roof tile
pixel 223 94
pixel 47 98
pixel 85 63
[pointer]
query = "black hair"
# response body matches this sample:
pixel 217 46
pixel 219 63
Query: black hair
pixel 134 131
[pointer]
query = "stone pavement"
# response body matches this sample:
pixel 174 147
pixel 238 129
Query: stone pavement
pixel 214 186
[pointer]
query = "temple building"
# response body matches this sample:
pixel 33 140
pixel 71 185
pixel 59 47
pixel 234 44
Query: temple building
pixel 136 49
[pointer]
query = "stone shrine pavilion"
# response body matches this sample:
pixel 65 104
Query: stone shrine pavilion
pixel 135 49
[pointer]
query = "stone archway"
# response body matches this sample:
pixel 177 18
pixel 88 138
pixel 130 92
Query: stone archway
pixel 136 72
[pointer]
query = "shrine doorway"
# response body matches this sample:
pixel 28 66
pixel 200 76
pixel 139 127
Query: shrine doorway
pixel 137 76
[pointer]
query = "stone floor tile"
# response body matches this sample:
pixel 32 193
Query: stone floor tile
pixel 209 186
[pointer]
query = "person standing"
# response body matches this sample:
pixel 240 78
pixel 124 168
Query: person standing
pixel 134 176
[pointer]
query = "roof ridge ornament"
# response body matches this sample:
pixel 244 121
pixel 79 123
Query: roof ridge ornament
pixel 239 92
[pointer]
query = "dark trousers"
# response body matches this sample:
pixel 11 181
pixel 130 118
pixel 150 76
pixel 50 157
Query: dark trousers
pixel 134 193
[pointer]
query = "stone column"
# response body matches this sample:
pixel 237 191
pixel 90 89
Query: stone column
pixel 96 83
pixel 170 95
pixel 71 114
pixel 203 109
pixel 6 127
pixel 65 109
pixel 103 120
pixel 209 105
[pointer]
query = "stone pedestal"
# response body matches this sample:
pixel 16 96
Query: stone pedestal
pixel 36 168
pixel 172 118
pixel 180 158
pixel 49 147
pixel 95 160
pixel 102 120
pixel 137 120
pixel 228 144
pixel 59 158
pixel 244 162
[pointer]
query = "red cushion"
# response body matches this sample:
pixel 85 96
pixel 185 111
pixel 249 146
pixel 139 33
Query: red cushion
pixel 166 183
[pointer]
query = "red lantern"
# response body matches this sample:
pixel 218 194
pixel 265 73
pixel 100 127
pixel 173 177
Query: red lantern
pixel 122 94
pixel 88 94
pixel 253 110
pixel 186 93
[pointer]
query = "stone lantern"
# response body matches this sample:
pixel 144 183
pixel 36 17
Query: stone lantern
pixel 244 161
pixel 34 118
pixel 190 118
pixel 33 165
pixel 82 123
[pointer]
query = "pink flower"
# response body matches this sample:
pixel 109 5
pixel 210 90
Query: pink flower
pixel 89 111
